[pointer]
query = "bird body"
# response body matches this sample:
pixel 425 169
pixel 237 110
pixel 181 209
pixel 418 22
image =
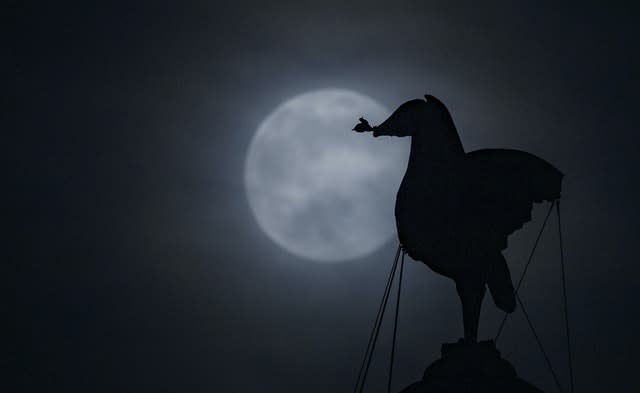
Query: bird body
pixel 455 210
pixel 447 214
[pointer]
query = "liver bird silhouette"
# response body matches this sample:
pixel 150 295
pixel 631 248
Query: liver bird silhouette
pixel 454 211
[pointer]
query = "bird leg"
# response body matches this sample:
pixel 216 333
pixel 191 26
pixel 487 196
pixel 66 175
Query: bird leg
pixel 471 291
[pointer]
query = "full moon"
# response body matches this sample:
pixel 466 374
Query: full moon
pixel 318 189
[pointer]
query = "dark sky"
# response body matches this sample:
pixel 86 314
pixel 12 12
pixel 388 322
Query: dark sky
pixel 134 262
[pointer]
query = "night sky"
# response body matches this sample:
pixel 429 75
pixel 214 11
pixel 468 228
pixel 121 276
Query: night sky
pixel 133 261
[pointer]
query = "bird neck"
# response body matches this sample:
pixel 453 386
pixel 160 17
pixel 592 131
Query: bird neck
pixel 435 147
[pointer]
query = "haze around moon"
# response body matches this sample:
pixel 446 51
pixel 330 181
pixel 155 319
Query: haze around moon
pixel 318 189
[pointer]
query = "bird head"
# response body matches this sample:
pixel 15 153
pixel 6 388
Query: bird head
pixel 411 117
pixel 429 118
pixel 404 121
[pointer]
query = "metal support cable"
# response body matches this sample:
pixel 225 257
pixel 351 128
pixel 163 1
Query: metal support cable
pixel 395 324
pixel 526 267
pixel 564 293
pixel 544 353
pixel 366 361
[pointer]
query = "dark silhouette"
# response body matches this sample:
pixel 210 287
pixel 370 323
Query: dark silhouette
pixel 471 368
pixel 454 211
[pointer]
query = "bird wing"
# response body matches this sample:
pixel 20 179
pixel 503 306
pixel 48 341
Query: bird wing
pixel 500 188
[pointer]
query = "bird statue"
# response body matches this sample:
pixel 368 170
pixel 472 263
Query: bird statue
pixel 454 210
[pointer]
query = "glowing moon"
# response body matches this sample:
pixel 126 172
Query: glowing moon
pixel 318 189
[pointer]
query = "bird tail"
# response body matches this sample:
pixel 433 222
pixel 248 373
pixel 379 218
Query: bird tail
pixel 500 284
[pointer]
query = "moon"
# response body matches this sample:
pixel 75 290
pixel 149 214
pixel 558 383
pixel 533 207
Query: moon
pixel 317 189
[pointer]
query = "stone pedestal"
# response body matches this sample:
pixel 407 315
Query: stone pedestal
pixel 471 368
